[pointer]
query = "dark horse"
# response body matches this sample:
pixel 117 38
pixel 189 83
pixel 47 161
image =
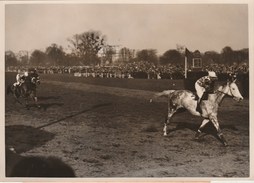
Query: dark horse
pixel 26 89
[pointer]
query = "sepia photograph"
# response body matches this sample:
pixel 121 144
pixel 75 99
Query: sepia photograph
pixel 126 90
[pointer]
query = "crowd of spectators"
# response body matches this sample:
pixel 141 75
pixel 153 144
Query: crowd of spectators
pixel 242 68
pixel 135 70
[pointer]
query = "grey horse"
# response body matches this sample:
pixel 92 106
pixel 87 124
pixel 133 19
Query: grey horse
pixel 209 108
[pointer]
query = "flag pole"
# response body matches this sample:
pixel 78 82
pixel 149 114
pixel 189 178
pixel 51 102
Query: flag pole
pixel 185 64
pixel 185 67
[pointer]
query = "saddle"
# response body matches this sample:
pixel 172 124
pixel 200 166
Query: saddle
pixel 209 90
pixel 204 96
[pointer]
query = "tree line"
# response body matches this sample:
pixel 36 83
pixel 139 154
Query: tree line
pixel 91 48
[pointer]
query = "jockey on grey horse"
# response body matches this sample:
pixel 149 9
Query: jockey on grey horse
pixel 185 99
pixel 204 86
pixel 20 78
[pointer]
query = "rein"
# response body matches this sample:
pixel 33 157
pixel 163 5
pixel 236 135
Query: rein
pixel 34 80
pixel 226 93
pixel 221 92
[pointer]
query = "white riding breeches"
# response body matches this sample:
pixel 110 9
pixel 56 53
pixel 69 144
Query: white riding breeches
pixel 200 90
pixel 18 80
pixel 18 77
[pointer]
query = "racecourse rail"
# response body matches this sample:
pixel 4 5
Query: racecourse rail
pixel 139 84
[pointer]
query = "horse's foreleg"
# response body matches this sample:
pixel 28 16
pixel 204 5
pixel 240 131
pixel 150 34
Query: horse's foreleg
pixel 204 122
pixel 35 98
pixel 36 102
pixel 165 126
pixel 215 122
pixel 27 105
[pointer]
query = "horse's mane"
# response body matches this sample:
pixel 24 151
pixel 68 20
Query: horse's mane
pixel 28 82
pixel 220 84
pixel 28 79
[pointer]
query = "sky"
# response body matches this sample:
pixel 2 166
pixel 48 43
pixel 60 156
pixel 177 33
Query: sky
pixel 207 27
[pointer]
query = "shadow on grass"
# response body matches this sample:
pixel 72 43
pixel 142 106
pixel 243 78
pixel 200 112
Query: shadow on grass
pixel 45 106
pixel 75 114
pixel 209 129
pixel 48 97
pixel 24 138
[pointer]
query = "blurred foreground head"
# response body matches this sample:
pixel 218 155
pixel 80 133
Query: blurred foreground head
pixel 35 166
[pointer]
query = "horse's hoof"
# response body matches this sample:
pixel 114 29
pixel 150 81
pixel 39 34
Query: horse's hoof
pixel 38 106
pixel 197 135
pixel 225 144
pixel 223 140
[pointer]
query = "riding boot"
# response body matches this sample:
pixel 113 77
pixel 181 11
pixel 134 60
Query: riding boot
pixel 198 106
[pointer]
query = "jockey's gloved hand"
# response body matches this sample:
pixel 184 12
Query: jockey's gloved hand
pixel 207 86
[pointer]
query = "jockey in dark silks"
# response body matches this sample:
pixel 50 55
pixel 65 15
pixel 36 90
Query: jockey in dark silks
pixel 33 74
pixel 205 85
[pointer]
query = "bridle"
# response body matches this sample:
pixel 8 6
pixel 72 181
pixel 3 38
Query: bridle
pixel 35 80
pixel 228 94
pixel 231 94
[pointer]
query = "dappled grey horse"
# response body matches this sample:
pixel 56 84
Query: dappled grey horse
pixel 209 108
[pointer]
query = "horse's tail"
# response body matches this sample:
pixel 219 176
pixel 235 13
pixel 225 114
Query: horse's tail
pixel 164 93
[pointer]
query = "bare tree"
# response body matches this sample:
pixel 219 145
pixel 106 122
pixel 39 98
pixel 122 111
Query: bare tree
pixel 172 57
pixel 147 55
pixel 126 54
pixel 38 58
pixel 108 54
pixel 10 59
pixel 87 45
pixel 23 57
pixel 227 55
pixel 211 57
pixel 55 55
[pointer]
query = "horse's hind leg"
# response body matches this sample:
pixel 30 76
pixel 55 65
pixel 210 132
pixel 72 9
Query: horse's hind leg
pixel 27 105
pixel 204 122
pixel 36 102
pixel 167 121
pixel 215 122
pixel 35 99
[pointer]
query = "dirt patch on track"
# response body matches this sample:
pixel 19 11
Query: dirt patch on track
pixel 105 131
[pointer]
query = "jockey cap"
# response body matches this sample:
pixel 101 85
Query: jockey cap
pixel 212 74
